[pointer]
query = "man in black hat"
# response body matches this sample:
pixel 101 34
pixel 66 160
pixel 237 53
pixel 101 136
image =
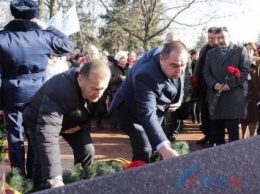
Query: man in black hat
pixel 25 46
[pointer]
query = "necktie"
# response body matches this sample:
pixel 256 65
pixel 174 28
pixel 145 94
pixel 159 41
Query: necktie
pixel 223 52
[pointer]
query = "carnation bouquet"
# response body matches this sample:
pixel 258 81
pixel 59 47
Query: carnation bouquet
pixel 193 81
pixel 232 71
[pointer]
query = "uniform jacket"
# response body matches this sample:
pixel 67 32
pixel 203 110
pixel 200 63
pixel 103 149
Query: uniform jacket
pixel 24 51
pixel 57 106
pixel 147 93
pixel 231 104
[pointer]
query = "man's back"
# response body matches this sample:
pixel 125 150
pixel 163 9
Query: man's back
pixel 25 58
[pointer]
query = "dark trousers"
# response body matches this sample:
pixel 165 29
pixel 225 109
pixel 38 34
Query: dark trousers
pixel 114 119
pixel 15 138
pixel 142 149
pixel 205 119
pixel 81 144
pixel 100 111
pixel 218 130
pixel 171 125
pixel 195 112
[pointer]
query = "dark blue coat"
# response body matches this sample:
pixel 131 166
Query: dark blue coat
pixel 148 93
pixel 24 54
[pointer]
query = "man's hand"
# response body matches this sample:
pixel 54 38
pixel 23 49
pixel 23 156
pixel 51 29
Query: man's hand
pixel 218 86
pixel 226 88
pixel 122 78
pixel 58 184
pixel 167 152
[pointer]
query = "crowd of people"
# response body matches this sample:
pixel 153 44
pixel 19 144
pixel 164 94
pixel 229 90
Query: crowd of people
pixel 237 106
pixel 50 89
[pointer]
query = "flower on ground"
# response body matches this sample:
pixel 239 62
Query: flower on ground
pixel 232 71
pixel 135 164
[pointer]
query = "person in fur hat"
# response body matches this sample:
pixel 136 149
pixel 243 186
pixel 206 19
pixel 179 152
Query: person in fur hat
pixel 25 46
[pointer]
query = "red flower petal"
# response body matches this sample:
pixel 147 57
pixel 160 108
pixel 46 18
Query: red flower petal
pixel 231 69
pixel 193 80
pixel 135 164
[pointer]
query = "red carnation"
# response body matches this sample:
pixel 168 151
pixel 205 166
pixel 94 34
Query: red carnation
pixel 83 60
pixel 231 69
pixel 135 164
pixel 193 80
pixel 237 73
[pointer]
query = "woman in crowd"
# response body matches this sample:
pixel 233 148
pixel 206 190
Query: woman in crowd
pixel 252 92
pixel 119 71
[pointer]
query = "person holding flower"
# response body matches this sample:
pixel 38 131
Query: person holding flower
pixel 226 69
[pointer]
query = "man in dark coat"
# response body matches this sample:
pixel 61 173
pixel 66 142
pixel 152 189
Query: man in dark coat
pixel 25 46
pixel 145 96
pixel 230 107
pixel 200 91
pixel 63 105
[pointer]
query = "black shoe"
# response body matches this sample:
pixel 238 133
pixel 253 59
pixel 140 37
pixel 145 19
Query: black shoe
pixel 204 140
pixel 212 144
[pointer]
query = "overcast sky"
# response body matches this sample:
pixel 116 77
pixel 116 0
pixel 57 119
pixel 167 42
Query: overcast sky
pixel 243 25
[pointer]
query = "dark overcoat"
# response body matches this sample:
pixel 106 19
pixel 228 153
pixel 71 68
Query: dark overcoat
pixel 231 104
pixel 57 106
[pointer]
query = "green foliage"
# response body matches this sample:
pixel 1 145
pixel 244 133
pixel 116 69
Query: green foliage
pixel 156 157
pixel 202 40
pixel 2 150
pixel 181 147
pixel 73 175
pixel 98 168
pixel 132 24
pixel 102 168
pixel 18 182
pixel 3 132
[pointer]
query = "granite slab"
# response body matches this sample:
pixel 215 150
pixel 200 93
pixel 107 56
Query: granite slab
pixel 231 168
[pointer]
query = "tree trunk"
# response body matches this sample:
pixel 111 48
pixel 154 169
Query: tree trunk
pixel 145 44
pixel 41 9
pixel 53 8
